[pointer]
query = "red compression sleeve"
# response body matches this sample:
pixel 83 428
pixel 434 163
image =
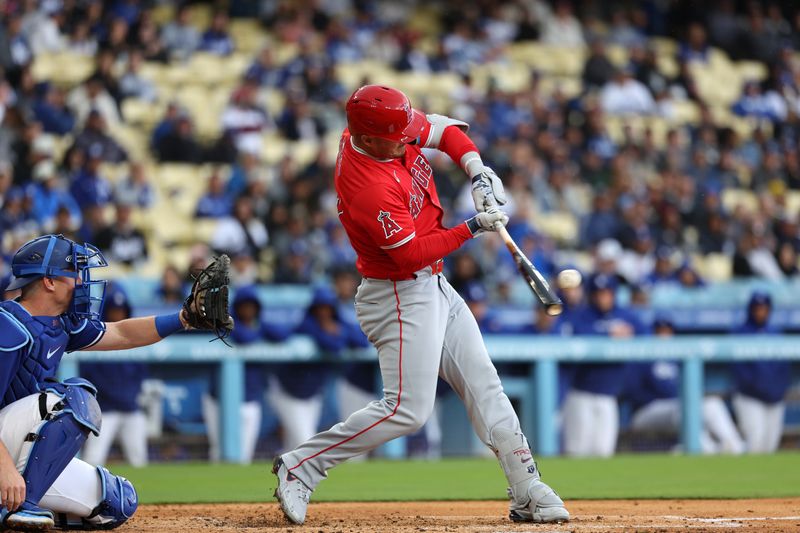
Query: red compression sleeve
pixel 456 143
pixel 420 252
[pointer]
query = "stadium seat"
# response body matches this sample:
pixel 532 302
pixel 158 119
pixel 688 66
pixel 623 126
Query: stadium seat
pixel 352 75
pixel 570 87
pixel 141 113
pixel 274 100
pixel 134 141
pixel 618 55
pixel 60 145
pixel 273 148
pixel 507 77
pixel 558 225
pixel 425 20
pixel 684 112
pixel 664 46
pixel 163 13
pixel 714 268
pixel 114 172
pixel 667 65
pixel 51 67
pixel 303 152
pixel 566 61
pixel 200 16
pixel 248 35
pixel 732 198
pixel 211 69
pixel 751 70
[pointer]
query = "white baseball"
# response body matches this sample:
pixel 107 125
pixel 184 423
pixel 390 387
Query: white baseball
pixel 569 278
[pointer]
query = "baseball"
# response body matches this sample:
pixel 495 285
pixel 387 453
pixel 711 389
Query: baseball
pixel 569 278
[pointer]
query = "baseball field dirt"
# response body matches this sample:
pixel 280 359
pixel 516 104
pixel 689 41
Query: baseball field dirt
pixel 762 515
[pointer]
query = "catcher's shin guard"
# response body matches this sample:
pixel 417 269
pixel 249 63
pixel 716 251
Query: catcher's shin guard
pixel 52 446
pixel 119 503
pixel 292 494
pixel 531 499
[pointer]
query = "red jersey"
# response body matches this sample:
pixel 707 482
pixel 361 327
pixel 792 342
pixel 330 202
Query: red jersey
pixel 391 212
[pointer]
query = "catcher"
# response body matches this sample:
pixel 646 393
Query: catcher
pixel 43 422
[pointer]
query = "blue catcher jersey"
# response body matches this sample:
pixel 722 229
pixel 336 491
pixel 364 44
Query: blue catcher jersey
pixel 31 347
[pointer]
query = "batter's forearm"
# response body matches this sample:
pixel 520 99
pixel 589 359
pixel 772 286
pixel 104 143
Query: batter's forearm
pixel 420 252
pixel 461 150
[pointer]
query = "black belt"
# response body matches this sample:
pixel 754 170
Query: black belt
pixel 43 405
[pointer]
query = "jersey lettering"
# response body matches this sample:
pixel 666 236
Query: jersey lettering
pixel 390 227
pixel 421 173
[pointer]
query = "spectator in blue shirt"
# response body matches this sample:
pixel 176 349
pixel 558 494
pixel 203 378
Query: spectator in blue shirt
pixel 118 388
pixel 249 327
pixel 89 188
pixel 601 222
pixel 664 268
pixel 49 195
pixel 216 38
pixel 591 413
pixel 52 111
pixel 296 393
pixel 760 384
pixel 215 203
pixel 95 139
pixel 264 70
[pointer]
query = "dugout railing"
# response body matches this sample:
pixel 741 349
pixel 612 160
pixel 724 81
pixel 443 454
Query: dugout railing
pixel 542 354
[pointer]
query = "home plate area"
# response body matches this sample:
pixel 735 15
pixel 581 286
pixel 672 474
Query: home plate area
pixel 773 515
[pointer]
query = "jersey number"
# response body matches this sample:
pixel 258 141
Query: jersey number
pixel 390 227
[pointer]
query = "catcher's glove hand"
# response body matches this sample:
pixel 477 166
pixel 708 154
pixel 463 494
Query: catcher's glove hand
pixel 206 307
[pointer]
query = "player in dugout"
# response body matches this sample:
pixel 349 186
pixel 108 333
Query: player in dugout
pixel 420 326
pixel 44 422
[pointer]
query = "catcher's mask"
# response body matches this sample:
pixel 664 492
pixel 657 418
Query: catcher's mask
pixel 55 255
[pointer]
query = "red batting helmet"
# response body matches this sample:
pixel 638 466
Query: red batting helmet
pixel 383 112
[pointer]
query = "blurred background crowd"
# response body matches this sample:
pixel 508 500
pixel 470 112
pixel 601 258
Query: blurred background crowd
pixel 653 141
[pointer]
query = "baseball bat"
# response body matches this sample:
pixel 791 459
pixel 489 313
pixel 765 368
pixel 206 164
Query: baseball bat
pixel 551 301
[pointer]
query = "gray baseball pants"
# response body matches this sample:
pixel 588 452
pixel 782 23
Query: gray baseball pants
pixel 422 329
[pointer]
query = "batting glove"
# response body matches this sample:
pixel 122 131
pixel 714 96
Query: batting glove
pixel 484 222
pixel 487 190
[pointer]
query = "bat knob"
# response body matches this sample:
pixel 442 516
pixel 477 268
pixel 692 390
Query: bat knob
pixel 554 309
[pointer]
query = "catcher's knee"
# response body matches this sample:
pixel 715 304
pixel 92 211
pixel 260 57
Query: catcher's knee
pixel 118 504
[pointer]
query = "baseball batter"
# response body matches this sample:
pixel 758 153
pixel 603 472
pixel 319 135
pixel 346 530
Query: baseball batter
pixel 420 326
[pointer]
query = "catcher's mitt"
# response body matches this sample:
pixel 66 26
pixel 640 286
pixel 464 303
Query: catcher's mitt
pixel 206 307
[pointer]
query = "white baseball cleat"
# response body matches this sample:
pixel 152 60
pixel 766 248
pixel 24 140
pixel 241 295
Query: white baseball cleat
pixel 292 494
pixel 27 518
pixel 543 506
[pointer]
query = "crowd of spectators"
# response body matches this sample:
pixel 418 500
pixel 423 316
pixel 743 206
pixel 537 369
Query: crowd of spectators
pixel 656 202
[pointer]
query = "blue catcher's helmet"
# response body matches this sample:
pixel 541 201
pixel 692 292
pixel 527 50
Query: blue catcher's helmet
pixel 55 255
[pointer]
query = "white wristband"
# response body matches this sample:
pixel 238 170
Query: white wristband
pixel 472 163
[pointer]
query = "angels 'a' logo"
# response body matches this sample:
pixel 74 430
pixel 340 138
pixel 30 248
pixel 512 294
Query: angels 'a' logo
pixel 390 227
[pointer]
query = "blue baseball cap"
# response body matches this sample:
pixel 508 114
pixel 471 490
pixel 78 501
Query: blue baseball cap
pixel 247 293
pixel 760 298
pixel 116 298
pixel 663 321
pixel 475 292
pixel 324 295
pixel 599 282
